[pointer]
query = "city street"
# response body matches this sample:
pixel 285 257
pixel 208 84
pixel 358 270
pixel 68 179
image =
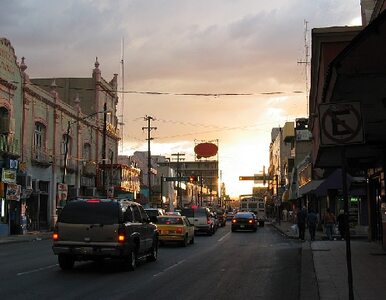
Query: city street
pixel 261 265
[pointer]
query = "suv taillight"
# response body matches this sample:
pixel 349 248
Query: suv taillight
pixel 121 235
pixel 208 221
pixel 55 234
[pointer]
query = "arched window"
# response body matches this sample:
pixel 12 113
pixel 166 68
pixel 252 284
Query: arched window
pixel 39 140
pixel 4 120
pixel 110 155
pixel 87 152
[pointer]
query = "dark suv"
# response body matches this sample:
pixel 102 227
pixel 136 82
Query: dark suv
pixel 94 229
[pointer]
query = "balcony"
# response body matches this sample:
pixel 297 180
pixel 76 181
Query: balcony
pixel 89 169
pixel 71 165
pixel 41 158
pixel 9 146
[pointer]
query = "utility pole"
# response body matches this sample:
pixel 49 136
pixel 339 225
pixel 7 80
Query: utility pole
pixel 149 128
pixel 306 60
pixel 179 194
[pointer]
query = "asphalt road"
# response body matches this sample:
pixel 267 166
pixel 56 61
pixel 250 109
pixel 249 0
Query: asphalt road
pixel 240 265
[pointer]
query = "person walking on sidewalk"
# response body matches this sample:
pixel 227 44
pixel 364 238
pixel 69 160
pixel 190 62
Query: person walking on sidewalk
pixel 341 224
pixel 302 216
pixel 312 220
pixel 329 223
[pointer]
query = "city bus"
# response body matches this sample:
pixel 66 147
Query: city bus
pixel 255 205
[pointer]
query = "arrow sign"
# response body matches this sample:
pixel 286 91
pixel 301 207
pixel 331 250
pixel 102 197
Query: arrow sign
pixel 256 177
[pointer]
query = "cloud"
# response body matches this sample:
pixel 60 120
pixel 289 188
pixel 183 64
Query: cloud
pixel 182 46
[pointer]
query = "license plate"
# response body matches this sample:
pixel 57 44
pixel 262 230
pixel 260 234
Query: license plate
pixel 242 226
pixel 86 250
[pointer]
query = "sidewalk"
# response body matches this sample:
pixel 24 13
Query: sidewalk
pixel 28 237
pixel 368 261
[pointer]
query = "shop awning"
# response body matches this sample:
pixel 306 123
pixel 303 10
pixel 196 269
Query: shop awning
pixel 332 182
pixel 310 187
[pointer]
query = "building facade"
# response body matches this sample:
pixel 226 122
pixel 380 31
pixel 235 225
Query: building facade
pixel 58 138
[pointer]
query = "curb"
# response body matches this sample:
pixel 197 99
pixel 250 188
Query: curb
pixel 13 239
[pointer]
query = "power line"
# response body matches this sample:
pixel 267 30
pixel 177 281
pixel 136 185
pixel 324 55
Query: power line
pixel 159 93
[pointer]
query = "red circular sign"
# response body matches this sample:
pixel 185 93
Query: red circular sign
pixel 205 150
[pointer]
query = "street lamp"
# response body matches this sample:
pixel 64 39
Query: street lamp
pixel 105 112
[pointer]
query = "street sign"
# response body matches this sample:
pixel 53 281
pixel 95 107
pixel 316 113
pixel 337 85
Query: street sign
pixel 176 178
pixel 340 124
pixel 257 178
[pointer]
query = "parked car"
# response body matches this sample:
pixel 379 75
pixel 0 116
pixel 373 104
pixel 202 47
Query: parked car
pixel 175 229
pixel 201 219
pixel 244 221
pixel 94 229
pixel 230 215
pixel 153 213
pixel 221 216
pixel 213 217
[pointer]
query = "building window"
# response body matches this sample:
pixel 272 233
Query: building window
pixel 87 152
pixel 39 141
pixel 4 121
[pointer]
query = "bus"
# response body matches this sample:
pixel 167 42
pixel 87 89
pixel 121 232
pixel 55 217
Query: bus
pixel 255 205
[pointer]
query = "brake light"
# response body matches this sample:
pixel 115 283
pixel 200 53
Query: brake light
pixel 121 235
pixel 55 234
pixel 208 221
pixel 93 201
pixel 179 230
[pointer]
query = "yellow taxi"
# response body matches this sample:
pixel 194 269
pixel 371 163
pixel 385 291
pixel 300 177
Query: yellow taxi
pixel 175 229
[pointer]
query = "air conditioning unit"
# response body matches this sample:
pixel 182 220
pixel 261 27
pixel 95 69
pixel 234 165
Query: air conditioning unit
pixel 25 181
pixel 35 185
pixel 73 192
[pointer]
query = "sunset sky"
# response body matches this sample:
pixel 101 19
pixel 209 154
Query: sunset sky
pixel 246 47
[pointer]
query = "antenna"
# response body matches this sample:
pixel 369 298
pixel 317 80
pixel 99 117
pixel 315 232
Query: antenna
pixel 306 61
pixel 122 121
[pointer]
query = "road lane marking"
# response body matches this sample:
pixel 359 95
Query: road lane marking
pixel 37 270
pixel 224 237
pixel 169 268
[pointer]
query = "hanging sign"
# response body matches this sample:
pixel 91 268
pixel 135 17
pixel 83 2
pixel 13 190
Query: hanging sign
pixel 8 176
pixel 13 192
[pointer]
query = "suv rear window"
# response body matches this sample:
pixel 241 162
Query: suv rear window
pixel 188 212
pixel 194 212
pixel 82 212
pixel 152 212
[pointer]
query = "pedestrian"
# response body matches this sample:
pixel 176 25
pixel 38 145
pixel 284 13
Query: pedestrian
pixel 341 224
pixel 329 223
pixel 312 220
pixel 301 218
